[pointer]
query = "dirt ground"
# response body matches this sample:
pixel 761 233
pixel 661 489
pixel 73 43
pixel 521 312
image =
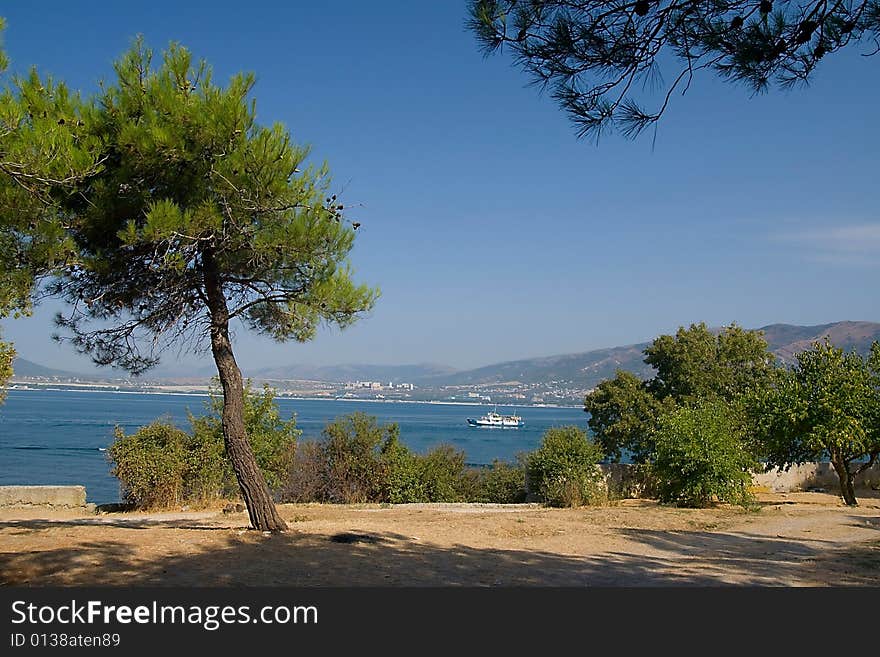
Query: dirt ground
pixel 794 539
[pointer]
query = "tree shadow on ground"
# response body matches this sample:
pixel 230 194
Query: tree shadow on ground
pixel 299 558
pixel 37 524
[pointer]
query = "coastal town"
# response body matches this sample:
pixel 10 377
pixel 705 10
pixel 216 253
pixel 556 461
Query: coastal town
pixel 551 393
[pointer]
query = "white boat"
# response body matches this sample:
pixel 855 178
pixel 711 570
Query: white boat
pixel 495 419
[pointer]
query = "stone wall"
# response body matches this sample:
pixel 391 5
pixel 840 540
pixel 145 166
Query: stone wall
pixel 63 497
pixel 812 475
pixel 626 480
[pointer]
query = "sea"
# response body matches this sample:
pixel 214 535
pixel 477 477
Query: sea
pixel 59 437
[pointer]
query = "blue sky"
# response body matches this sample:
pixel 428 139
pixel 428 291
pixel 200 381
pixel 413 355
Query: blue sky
pixel 492 232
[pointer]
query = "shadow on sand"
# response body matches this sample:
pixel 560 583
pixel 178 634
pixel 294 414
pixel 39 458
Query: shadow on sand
pixel 300 558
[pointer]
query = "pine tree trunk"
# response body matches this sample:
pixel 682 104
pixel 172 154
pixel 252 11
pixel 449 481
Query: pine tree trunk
pixel 261 508
pixel 847 489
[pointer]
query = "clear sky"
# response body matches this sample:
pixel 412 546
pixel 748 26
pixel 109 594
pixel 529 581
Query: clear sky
pixel 492 232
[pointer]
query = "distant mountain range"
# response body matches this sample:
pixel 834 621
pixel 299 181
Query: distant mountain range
pixel 28 369
pixel 587 369
pixel 581 370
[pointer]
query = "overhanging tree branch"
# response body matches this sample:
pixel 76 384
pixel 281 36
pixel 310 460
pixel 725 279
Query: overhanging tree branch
pixel 591 52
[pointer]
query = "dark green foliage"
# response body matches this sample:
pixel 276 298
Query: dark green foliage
pixel 357 461
pixel 404 476
pixel 692 366
pixel 623 415
pixel 696 364
pixel 353 449
pixel 44 151
pixel 827 406
pixel 502 483
pixel 564 470
pixel 151 465
pixel 161 465
pixel 446 478
pixel 193 193
pixel 272 439
pixel 599 58
pixel 701 457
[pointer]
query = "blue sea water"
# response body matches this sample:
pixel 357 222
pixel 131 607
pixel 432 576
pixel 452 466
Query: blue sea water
pixel 50 437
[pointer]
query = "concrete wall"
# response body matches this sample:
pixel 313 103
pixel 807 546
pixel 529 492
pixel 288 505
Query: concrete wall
pixel 812 475
pixel 627 480
pixel 67 497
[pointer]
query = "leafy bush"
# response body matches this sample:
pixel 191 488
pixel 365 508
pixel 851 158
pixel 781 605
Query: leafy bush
pixel 353 449
pixel 564 470
pixel 351 463
pixel 701 457
pixel 404 484
pixel 161 465
pixel 272 440
pixel 307 478
pixel 444 475
pixel 357 460
pixel 502 483
pixel 150 464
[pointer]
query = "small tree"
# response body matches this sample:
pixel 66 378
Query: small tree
pixel 696 364
pixel 827 406
pixel 564 470
pixel 151 465
pixel 201 218
pixel 701 457
pixel 357 454
pixel 693 366
pixel 623 416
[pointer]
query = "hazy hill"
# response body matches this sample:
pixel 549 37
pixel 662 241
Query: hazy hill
pixel 581 370
pixel 589 368
pixel 26 368
pixel 786 340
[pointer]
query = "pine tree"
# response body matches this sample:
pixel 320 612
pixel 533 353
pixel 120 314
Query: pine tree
pixel 44 152
pixel 198 218
pixel 597 57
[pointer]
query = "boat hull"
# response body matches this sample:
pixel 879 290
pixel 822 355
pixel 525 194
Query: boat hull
pixel 506 425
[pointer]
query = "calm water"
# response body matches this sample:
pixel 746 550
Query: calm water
pixel 55 437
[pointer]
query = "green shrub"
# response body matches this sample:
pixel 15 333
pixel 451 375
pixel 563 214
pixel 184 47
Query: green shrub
pixel 209 475
pixel 161 465
pixel 404 483
pixel 150 464
pixel 564 470
pixel 445 477
pixel 701 457
pixel 272 440
pixel 306 481
pixel 502 483
pixel 357 460
pixel 354 466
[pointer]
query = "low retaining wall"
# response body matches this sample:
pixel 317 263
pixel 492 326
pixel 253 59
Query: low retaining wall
pixel 812 475
pixel 629 480
pixel 65 497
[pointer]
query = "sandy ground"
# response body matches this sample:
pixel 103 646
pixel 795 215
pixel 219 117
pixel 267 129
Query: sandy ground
pixel 796 539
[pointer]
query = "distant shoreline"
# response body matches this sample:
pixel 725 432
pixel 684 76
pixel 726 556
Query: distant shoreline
pixel 86 388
